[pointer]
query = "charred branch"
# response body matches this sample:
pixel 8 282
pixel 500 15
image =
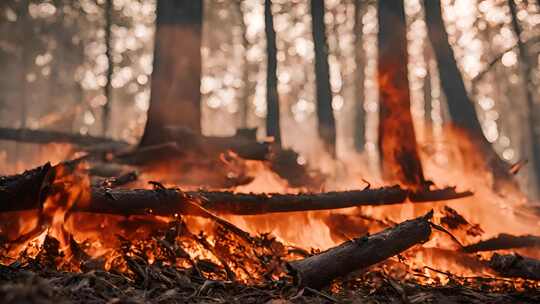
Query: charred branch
pixel 25 191
pixel 319 270
pixel 515 266
pixel 504 241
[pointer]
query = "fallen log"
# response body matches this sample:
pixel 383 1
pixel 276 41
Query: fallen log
pixel 169 201
pixel 251 204
pixel 25 191
pixel 321 269
pixel 515 266
pixel 504 241
pixel 151 154
pixel 48 136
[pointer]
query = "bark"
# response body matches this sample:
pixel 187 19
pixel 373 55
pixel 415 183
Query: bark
pixel 115 182
pixel 320 270
pixel 325 113
pixel 397 141
pixel 515 266
pixel 359 58
pixel 25 191
pixel 46 137
pixel 176 77
pixel 461 108
pixel 272 98
pixel 504 241
pixel 107 90
pixel 525 68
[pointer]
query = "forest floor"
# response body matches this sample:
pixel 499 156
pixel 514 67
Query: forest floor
pixel 164 284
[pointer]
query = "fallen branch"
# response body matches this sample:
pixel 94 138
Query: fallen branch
pixel 319 270
pixel 25 191
pixel 252 204
pixel 47 136
pixel 515 266
pixel 504 241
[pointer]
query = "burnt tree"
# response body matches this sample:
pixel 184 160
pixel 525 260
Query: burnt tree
pixel 176 77
pixel 325 113
pixel 397 140
pixel 272 97
pixel 460 106
pixel 359 58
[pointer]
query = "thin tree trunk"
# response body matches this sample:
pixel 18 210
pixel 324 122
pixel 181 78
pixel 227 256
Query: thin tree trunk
pixel 325 113
pixel 526 75
pixel 245 90
pixel 176 77
pixel 272 97
pixel 461 108
pixel 360 113
pixel 110 68
pixel 397 140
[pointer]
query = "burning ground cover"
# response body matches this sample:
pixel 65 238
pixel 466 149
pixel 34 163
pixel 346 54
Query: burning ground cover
pixel 70 236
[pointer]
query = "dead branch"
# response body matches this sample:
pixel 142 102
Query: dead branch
pixel 252 204
pixel 319 270
pixel 515 266
pixel 114 182
pixel 25 191
pixel 48 136
pixel 504 241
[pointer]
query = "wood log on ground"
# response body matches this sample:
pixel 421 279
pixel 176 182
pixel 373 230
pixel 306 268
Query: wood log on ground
pixel 504 241
pixel 48 136
pixel 321 269
pixel 168 202
pixel 25 191
pixel 515 266
pixel 251 204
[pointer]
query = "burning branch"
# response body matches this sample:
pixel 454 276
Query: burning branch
pixel 319 270
pixel 25 191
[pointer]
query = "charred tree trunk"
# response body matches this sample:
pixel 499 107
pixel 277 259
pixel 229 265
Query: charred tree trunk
pixel 325 113
pixel 360 113
pixel 397 140
pixel 526 76
pixel 461 108
pixel 272 97
pixel 176 77
pixel 110 68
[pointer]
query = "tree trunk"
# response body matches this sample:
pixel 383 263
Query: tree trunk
pixel 176 77
pixel 110 67
pixel 461 108
pixel 325 113
pixel 360 113
pixel 397 140
pixel 272 98
pixel 245 90
pixel 526 76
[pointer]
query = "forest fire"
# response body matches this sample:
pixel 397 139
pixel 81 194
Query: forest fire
pixel 283 202
pixel 58 217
